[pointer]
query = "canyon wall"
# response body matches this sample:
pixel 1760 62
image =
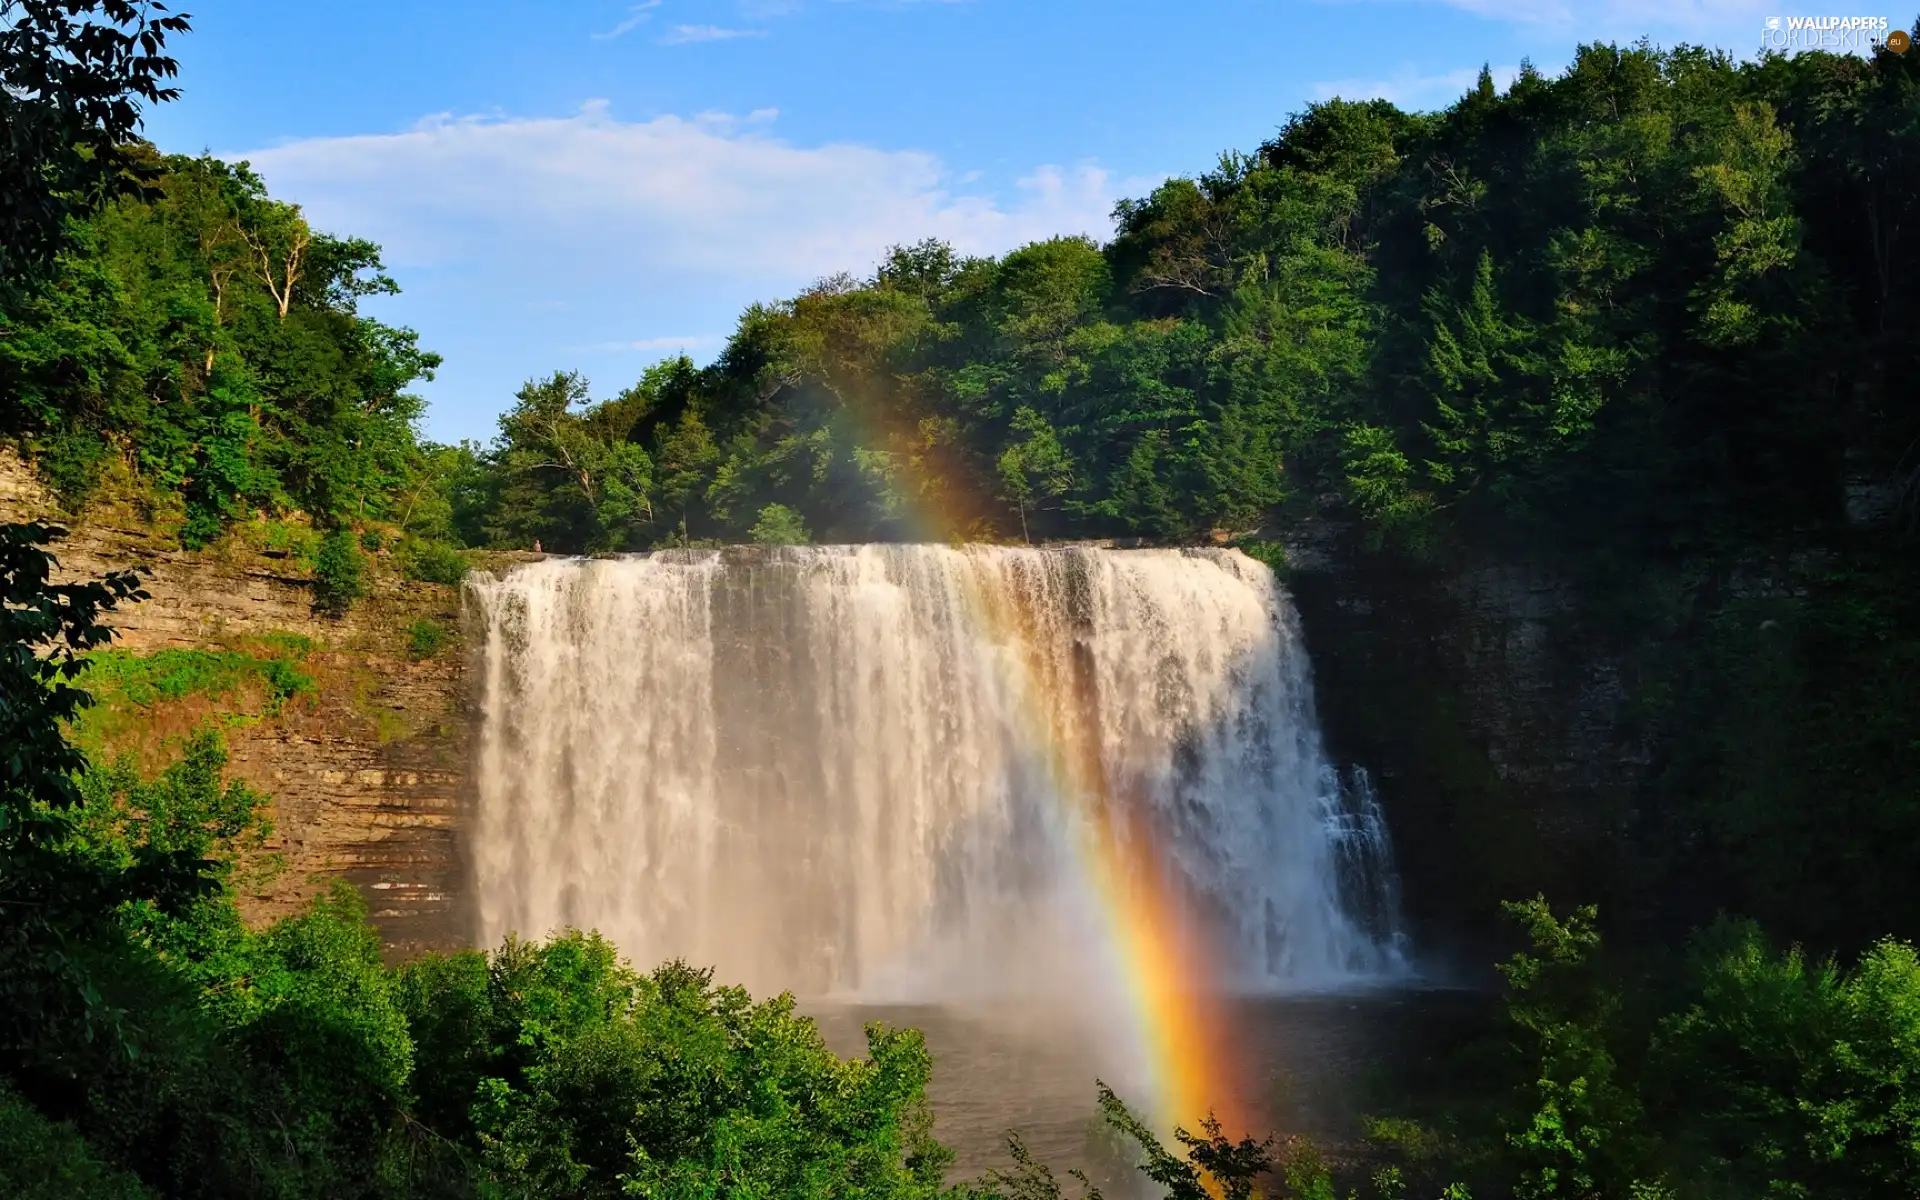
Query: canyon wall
pixel 1493 708
pixel 366 773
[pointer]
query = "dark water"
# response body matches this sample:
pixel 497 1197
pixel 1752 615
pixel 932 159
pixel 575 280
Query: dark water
pixel 1314 1064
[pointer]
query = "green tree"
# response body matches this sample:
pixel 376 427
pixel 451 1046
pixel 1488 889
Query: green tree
pixel 1581 1134
pixel 339 573
pixel 48 899
pixel 1034 470
pixel 688 456
pixel 75 73
pixel 779 526
pixel 568 478
pixel 1787 1076
pixel 570 1074
pixel 189 808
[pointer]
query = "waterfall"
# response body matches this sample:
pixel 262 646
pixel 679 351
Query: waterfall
pixel 861 769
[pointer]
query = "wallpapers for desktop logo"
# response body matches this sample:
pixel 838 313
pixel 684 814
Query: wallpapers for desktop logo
pixel 1840 34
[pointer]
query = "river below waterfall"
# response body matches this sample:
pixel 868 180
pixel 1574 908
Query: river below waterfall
pixel 1313 1062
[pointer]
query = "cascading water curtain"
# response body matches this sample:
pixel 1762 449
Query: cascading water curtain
pixel 862 769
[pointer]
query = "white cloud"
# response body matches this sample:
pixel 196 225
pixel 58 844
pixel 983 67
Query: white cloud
pixel 1410 89
pixel 637 15
pixel 712 194
pixel 687 34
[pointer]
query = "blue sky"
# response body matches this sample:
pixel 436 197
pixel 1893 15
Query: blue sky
pixel 593 185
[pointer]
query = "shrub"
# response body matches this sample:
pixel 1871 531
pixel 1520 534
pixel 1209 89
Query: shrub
pixel 1272 555
pixel 122 676
pixel 779 526
pixel 371 541
pixel 566 1073
pixel 70 463
pixel 127 687
pixel 436 562
pixel 338 573
pixel 188 808
pixel 200 529
pixel 48 1160
pixel 1791 1076
pixel 296 542
pixel 427 638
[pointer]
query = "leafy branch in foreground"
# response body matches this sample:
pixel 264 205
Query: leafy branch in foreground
pixel 74 84
pixel 1215 1168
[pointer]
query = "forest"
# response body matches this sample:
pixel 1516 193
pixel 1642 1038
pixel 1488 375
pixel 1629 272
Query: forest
pixel 1653 319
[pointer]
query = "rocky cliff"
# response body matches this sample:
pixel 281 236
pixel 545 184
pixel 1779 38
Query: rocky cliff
pixel 364 769
pixel 1491 708
pixel 1635 733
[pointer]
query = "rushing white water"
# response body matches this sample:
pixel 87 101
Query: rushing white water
pixel 859 769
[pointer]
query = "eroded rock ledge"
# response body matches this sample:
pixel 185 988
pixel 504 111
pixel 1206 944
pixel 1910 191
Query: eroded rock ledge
pixel 367 775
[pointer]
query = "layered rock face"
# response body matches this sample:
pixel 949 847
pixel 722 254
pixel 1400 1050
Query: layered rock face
pixel 1494 713
pixel 366 775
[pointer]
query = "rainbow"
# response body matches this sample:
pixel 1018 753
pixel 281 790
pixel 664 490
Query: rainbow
pixel 1165 966
pixel 1167 971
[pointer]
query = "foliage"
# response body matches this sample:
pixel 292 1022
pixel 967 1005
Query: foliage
pixel 48 1160
pixel 1214 1165
pixel 76 72
pixel 1576 1140
pixel 48 900
pixel 779 526
pixel 436 562
pixel 126 686
pixel 188 808
pixel 573 480
pixel 198 334
pixel 1271 555
pixel 183 1046
pixel 566 1073
pixel 426 638
pixel 1606 311
pixel 1787 1076
pixel 1739 1071
pixel 338 573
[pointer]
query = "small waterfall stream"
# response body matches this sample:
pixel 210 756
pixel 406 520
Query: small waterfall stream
pixel 858 770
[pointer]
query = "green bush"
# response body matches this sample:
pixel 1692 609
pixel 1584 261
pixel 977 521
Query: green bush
pixel 241 1062
pixel 70 464
pixel 1793 1077
pixel 372 541
pixel 436 562
pixel 188 808
pixel 200 529
pixel 779 526
pixel 48 1160
pixel 567 1073
pixel 338 573
pixel 1272 555
pixel 297 542
pixel 426 638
